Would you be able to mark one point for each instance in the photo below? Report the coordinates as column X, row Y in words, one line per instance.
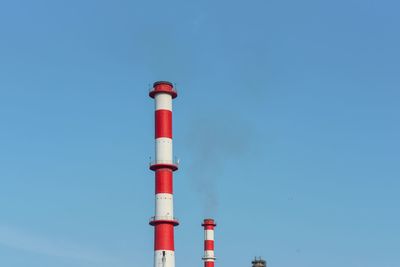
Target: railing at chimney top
column 175, row 161
column 151, row 88
column 162, row 218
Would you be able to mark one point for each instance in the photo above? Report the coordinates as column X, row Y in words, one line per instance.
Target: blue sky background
column 286, row 124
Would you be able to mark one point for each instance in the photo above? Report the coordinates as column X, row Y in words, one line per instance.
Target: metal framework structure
column 258, row 262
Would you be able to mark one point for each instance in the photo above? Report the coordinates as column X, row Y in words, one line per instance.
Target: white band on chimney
column 164, row 258
column 209, row 235
column 209, row 254
column 164, row 150
column 163, row 101
column 164, row 206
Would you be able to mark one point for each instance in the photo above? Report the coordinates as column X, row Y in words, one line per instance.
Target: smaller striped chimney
column 209, row 257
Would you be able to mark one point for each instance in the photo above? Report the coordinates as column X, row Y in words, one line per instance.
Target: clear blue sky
column 286, row 124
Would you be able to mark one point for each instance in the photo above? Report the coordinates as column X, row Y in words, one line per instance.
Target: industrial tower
column 163, row 166
column 209, row 257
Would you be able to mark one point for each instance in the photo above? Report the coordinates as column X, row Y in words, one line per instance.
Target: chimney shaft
column 209, row 257
column 163, row 166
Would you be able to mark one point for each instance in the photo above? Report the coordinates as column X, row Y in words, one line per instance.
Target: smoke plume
column 213, row 143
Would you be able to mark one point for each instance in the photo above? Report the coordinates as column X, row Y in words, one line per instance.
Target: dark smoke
column 214, row 142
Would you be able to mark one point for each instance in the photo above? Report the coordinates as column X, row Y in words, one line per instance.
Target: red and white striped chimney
column 163, row 166
column 209, row 257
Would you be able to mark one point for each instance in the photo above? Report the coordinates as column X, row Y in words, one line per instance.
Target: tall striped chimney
column 209, row 257
column 163, row 166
